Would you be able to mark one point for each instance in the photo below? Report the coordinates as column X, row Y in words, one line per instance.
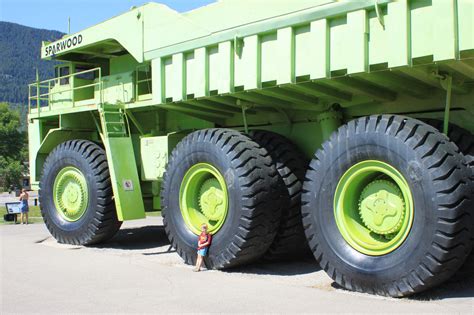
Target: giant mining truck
column 337, row 128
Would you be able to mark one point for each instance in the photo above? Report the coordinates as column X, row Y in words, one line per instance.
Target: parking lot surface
column 135, row 272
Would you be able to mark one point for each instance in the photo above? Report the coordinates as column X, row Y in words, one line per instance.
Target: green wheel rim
column 70, row 193
column 203, row 198
column 373, row 207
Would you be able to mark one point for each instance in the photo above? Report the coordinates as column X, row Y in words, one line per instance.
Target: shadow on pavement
column 461, row 285
column 154, row 237
column 279, row 268
column 140, row 238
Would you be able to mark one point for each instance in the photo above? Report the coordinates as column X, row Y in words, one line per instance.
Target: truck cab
column 77, row 83
column 74, row 83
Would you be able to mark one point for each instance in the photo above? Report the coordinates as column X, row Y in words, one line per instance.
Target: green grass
column 34, row 215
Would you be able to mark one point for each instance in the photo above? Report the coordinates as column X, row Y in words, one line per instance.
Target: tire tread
column 452, row 242
column 105, row 223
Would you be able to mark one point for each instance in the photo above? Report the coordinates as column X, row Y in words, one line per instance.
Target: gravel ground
column 136, row 272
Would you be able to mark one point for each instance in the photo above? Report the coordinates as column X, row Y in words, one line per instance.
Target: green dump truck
column 337, row 128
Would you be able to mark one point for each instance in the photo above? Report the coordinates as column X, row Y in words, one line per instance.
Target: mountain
column 19, row 57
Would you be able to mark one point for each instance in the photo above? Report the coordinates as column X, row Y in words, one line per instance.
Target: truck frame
column 337, row 128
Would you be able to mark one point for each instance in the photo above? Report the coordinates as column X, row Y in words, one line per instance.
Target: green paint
column 203, row 198
column 122, row 164
column 449, row 84
column 300, row 69
column 373, row 207
column 154, row 152
column 70, row 193
column 381, row 207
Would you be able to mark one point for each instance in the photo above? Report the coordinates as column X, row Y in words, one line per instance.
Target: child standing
column 24, row 206
column 204, row 242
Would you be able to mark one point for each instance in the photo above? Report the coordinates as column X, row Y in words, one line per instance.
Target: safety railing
column 36, row 90
column 142, row 81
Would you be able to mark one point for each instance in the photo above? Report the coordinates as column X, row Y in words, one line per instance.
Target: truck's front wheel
column 387, row 206
column 76, row 194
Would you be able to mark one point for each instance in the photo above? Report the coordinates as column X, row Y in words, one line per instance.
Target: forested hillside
column 19, row 57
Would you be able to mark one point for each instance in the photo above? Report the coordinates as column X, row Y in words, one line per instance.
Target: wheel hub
column 70, row 193
column 373, row 207
column 212, row 199
column 381, row 207
column 203, row 198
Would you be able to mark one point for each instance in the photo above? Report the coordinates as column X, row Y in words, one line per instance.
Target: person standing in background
column 24, row 206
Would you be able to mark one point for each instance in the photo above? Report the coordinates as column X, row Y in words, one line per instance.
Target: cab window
column 85, row 76
column 63, row 71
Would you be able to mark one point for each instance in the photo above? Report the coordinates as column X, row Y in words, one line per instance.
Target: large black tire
column 460, row 136
column 438, row 241
column 465, row 142
column 99, row 222
column 290, row 241
column 254, row 190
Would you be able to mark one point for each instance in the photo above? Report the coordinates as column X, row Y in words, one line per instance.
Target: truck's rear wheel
column 76, row 194
column 290, row 241
column 461, row 137
column 387, row 206
column 465, row 142
column 222, row 178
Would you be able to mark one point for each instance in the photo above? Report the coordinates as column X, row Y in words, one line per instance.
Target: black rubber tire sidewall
column 290, row 242
column 438, row 241
column 352, row 261
column 185, row 237
column 99, row 222
column 254, row 190
column 60, row 161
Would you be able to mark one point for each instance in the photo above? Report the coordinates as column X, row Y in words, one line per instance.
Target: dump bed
column 349, row 52
column 334, row 39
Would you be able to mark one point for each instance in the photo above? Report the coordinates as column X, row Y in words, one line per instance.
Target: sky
column 53, row 14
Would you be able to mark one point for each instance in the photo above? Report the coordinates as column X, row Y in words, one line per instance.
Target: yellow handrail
column 38, row 97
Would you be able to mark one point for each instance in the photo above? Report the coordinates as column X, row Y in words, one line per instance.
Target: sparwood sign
column 61, row 45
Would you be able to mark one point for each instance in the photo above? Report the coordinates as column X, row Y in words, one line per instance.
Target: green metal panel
column 318, row 41
column 309, row 135
column 34, row 143
column 398, row 26
column 465, row 11
column 118, row 88
column 122, row 164
column 225, row 68
column 126, row 29
column 124, row 177
column 247, row 65
column 42, row 143
column 445, row 29
column 154, row 152
column 357, row 24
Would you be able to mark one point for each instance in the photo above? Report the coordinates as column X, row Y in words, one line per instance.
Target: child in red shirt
column 204, row 241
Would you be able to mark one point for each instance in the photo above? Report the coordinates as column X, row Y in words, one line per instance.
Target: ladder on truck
column 122, row 162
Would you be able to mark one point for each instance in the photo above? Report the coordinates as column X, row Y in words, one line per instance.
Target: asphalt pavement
column 136, row 272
